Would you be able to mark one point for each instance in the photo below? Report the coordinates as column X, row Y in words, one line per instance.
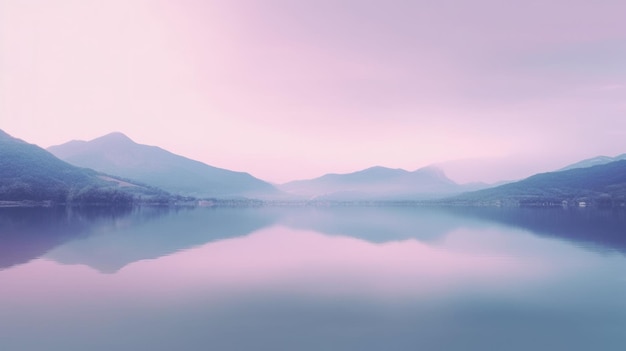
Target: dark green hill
column 603, row 185
column 30, row 173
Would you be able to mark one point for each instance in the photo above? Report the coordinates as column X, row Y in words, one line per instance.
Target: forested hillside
column 30, row 173
column 603, row 185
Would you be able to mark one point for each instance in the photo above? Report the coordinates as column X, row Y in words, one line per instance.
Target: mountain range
column 117, row 154
column 115, row 169
column 379, row 183
column 30, row 173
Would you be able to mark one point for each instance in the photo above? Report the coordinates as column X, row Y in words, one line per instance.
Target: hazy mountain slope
column 376, row 183
column 117, row 154
column 30, row 173
column 595, row 161
column 600, row 184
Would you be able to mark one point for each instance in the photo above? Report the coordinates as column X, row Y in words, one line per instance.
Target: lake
column 338, row 278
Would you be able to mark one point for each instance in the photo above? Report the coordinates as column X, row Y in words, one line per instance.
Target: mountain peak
column 115, row 137
column 434, row 170
column 380, row 170
column 117, row 154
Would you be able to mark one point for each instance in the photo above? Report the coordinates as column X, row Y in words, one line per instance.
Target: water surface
column 312, row 279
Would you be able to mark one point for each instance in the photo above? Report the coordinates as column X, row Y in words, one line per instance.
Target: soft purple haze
column 295, row 89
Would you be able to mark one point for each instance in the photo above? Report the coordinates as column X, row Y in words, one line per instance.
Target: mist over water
column 343, row 278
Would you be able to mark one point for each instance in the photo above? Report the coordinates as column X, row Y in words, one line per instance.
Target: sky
column 284, row 89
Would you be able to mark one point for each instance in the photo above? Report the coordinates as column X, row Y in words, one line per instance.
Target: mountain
column 603, row 185
column 378, row 183
column 30, row 173
column 595, row 161
column 117, row 154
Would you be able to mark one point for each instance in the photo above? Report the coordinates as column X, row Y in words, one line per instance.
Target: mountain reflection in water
column 312, row 278
column 108, row 239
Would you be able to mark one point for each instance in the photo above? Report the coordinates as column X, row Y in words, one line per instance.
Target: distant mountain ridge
column 604, row 184
column 594, row 161
column 378, row 183
column 116, row 153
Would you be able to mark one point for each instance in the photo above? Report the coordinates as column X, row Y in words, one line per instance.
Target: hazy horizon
column 293, row 90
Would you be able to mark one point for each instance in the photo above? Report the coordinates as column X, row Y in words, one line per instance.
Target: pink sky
column 295, row 89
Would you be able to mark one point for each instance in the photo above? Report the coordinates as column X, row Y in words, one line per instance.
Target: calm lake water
column 312, row 279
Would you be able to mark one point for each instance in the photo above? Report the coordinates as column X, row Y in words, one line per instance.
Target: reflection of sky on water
column 306, row 279
column 283, row 259
column 306, row 262
column 110, row 245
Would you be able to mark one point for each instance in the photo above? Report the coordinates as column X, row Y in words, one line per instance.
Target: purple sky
column 294, row 89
